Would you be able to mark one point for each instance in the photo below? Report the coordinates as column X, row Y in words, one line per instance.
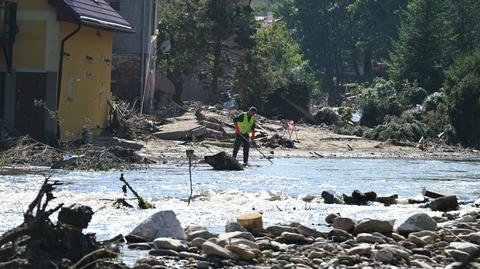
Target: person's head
column 252, row 111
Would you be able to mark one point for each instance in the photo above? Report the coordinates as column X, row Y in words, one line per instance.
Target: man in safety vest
column 244, row 124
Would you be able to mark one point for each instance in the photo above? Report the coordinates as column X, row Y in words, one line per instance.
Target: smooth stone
column 373, row 225
column 243, row 252
column 228, row 236
column 345, row 224
column 190, row 255
column 398, row 237
column 264, row 244
column 306, row 231
column 369, row 238
column 416, row 240
column 420, row 264
column 422, row 258
column 234, row 227
column 169, row 243
column 330, row 197
column 458, row 255
column 279, row 246
column 205, row 234
column 198, row 242
column 211, row 249
column 362, row 249
column 474, row 237
column 317, row 254
column 348, row 260
column 338, row 235
column 415, row 223
column 277, row 230
column 245, row 242
column 160, row 224
column 293, row 238
column 163, row 252
column 422, row 251
column 297, row 260
column 448, row 203
column 140, row 246
column 469, row 248
column 329, row 219
column 383, row 255
column 203, row 265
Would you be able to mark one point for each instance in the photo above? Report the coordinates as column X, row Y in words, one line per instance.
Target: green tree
column 462, row 87
column 180, row 26
column 417, row 54
column 276, row 78
column 227, row 28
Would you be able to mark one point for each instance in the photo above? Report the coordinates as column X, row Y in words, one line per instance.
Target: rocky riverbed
column 414, row 241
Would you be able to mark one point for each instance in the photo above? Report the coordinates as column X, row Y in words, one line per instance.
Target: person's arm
column 236, row 120
column 252, row 137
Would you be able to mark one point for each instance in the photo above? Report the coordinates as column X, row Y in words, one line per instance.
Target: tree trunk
column 367, row 64
column 216, row 72
column 177, row 82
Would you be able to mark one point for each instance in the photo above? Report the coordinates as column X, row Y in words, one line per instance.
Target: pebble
column 369, row 238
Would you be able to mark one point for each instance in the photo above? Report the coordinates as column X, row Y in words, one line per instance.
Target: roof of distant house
column 96, row 13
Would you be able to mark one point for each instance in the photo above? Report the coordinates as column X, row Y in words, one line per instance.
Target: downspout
column 60, row 70
column 142, row 74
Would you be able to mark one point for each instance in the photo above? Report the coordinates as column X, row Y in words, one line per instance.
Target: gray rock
column 383, row 255
column 205, row 234
column 369, row 238
column 211, row 249
column 345, row 224
column 306, row 231
column 339, row 235
column 163, row 252
column 293, row 238
column 245, row 242
column 362, row 250
column 190, row 255
column 277, row 230
column 329, row 219
column 416, row 240
column 198, row 242
column 445, row 204
column 160, row 224
column 203, row 265
column 140, row 246
column 329, row 197
column 373, row 225
column 234, row 227
column 415, row 223
column 225, row 238
column 458, row 255
column 243, row 252
column 317, row 254
column 420, row 264
column 469, row 248
column 474, row 237
column 169, row 243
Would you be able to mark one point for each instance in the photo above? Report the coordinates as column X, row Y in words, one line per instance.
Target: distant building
column 134, row 55
column 56, row 69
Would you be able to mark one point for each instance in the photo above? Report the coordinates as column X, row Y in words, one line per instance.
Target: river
column 276, row 190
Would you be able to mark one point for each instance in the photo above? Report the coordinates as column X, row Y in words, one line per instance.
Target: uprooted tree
column 38, row 243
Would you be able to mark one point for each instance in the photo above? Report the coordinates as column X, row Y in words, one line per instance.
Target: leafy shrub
column 327, row 115
column 402, row 131
column 462, row 88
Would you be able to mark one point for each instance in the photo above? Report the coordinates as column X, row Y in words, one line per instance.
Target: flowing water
column 276, row 190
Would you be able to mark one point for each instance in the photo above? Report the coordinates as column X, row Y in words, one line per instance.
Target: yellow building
column 56, row 66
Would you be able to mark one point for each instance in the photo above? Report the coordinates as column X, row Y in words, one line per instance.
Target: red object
column 237, row 128
column 378, row 67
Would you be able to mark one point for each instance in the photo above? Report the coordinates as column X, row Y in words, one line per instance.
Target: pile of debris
column 91, row 157
column 126, row 121
column 26, row 150
column 38, row 243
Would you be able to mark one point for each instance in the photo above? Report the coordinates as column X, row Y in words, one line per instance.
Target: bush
column 462, row 88
column 379, row 100
column 327, row 115
column 402, row 131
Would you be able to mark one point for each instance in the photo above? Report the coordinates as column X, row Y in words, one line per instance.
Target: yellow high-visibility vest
column 245, row 125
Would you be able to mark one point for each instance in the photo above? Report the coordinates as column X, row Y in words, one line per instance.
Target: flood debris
column 142, row 204
column 26, row 150
column 39, row 243
column 222, row 161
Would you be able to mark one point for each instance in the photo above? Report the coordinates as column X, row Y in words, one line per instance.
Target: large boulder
column 221, row 161
column 160, row 224
column 415, row 223
column 329, row 197
column 76, row 215
column 445, row 204
column 345, row 224
column 372, row 226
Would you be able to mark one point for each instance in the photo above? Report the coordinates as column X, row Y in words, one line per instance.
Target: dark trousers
column 239, row 140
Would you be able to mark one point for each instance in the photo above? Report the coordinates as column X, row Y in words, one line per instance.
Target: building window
column 115, row 4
